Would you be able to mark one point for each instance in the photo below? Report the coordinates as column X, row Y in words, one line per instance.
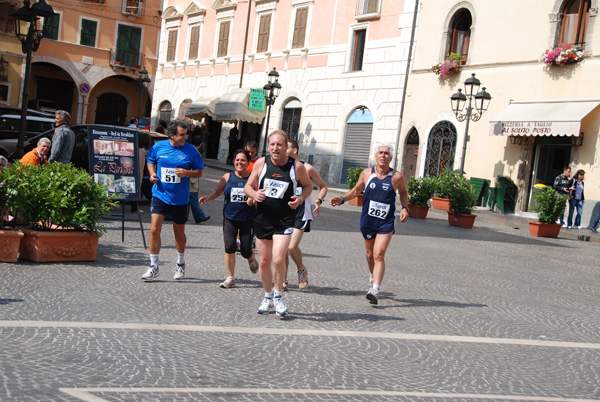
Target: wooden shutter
column 171, row 45
column 358, row 50
column 263, row 34
column 194, row 42
column 7, row 23
column 223, row 39
column 88, row 33
column 300, row 28
column 574, row 22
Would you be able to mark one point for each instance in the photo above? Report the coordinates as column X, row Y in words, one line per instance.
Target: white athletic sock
column 154, row 260
column 277, row 293
column 376, row 288
column 180, row 259
column 269, row 295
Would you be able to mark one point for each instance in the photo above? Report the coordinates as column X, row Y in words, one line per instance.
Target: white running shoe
column 151, row 273
column 229, row 282
column 372, row 296
column 280, row 308
column 253, row 265
column 266, row 305
column 179, row 271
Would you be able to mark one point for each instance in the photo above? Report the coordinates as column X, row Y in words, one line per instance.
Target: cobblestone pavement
column 467, row 315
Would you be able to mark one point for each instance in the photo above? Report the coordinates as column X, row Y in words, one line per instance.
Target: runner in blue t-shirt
column 378, row 217
column 171, row 164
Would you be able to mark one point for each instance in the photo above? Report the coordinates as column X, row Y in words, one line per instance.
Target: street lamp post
column 143, row 81
column 272, row 88
column 482, row 100
column 30, row 38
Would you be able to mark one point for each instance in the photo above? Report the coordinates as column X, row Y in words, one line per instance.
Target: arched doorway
column 357, row 145
column 165, row 110
column 183, row 108
column 441, row 148
column 111, row 109
column 411, row 152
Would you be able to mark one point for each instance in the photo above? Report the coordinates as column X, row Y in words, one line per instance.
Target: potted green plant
column 462, row 201
column 63, row 206
column 420, row 191
column 353, row 176
column 549, row 207
column 10, row 238
column 445, row 185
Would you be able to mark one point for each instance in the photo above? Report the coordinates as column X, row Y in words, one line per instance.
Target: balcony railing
column 368, row 8
column 126, row 58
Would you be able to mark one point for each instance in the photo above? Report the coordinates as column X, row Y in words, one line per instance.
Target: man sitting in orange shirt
column 38, row 155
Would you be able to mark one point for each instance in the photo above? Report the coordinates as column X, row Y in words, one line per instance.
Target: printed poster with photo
column 114, row 160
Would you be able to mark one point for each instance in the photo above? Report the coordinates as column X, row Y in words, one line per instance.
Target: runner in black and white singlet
column 303, row 218
column 238, row 216
column 271, row 185
column 379, row 212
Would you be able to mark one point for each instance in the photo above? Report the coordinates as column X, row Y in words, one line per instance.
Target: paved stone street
column 467, row 315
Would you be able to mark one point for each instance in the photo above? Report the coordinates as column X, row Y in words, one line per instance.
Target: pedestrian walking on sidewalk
column 380, row 184
column 171, row 164
column 238, row 216
column 271, row 186
column 576, row 199
column 561, row 187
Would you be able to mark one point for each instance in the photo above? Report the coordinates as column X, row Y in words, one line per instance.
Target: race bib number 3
column 378, row 210
column 167, row 175
column 238, row 195
column 275, row 188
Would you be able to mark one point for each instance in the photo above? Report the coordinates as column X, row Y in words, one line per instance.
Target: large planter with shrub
column 463, row 199
column 57, row 201
column 549, row 207
column 441, row 203
column 353, row 176
column 420, row 191
column 10, row 239
column 58, row 245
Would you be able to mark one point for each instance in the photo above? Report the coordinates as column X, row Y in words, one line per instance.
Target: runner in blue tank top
column 380, row 184
column 271, row 185
column 238, row 216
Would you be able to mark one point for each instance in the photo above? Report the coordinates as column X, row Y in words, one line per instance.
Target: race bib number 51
column 167, row 175
column 378, row 210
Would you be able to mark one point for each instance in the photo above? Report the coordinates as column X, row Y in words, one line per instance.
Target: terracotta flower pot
column 417, row 211
column 9, row 245
column 538, row 229
column 441, row 203
column 462, row 221
column 58, row 245
column 358, row 201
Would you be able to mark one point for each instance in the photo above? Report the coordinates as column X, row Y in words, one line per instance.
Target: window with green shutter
column 88, row 32
column 51, row 27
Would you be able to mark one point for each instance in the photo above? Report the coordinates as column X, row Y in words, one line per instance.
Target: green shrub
column 354, row 175
column 57, row 195
column 549, row 205
column 464, row 197
column 446, row 183
column 420, row 190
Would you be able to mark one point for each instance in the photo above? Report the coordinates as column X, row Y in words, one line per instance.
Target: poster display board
column 114, row 160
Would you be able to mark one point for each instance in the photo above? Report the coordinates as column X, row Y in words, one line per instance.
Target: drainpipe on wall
column 245, row 42
column 410, row 50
